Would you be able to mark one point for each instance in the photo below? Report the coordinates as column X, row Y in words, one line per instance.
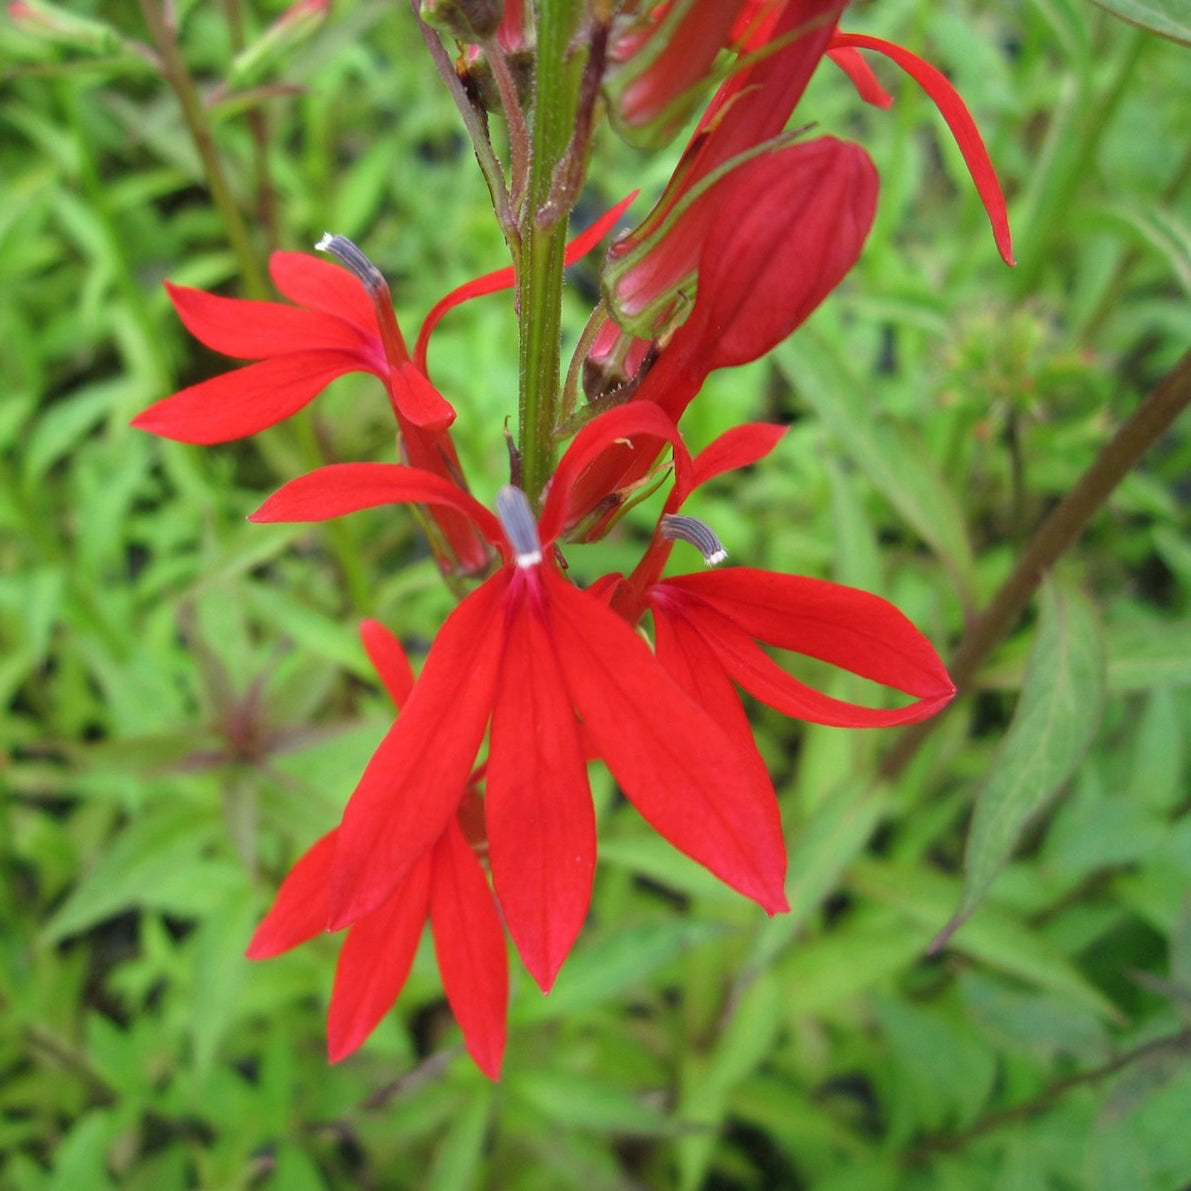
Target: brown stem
column 1053, row 538
column 164, row 33
column 1179, row 1043
column 258, row 127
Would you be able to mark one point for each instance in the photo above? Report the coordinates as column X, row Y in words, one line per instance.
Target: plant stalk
column 543, row 244
column 178, row 76
column 1053, row 538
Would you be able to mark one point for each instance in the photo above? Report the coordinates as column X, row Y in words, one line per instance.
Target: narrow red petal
column 248, row 400
column 416, row 778
column 673, row 761
column 852, row 63
column 299, row 911
column 259, row 330
column 388, row 660
column 470, row 946
column 374, row 962
column 500, row 279
column 759, row 674
column 417, row 400
column 959, row 120
column 620, row 426
column 840, row 625
column 342, row 488
column 321, row 285
column 695, row 667
column 541, row 827
column 739, row 447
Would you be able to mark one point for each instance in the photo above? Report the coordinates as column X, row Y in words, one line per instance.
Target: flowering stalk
column 543, row 240
column 478, row 796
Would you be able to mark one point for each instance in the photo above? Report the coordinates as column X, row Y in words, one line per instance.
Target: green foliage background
column 186, row 707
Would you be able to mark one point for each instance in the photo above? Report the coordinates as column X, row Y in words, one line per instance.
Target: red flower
column 338, row 326
column 707, row 625
column 343, row 322
column 445, row 884
column 533, row 655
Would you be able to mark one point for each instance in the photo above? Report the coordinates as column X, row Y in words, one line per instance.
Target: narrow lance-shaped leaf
column 1167, row 18
column 1053, row 725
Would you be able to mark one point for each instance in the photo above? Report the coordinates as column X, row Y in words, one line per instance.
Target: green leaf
column 461, row 1151
column 587, row 1104
column 604, row 967
column 1053, row 725
column 1167, row 18
column 164, row 842
column 834, row 835
column 892, row 460
column 995, row 937
column 1149, row 653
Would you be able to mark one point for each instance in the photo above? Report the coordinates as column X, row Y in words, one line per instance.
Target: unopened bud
column 52, row 22
column 285, row 34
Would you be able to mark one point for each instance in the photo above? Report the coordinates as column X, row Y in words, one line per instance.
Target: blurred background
column 184, row 705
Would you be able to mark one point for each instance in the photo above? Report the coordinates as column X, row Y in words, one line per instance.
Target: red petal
column 470, row 946
column 735, row 448
column 259, row 330
column 248, row 400
column 852, row 63
column 323, row 286
column 673, row 761
column 959, row 120
column 299, row 911
column 418, row 400
column 417, row 776
column 840, row 625
column 491, row 283
column 388, row 660
column 637, row 419
column 759, row 674
column 695, row 667
column 374, row 962
column 342, row 488
column 541, row 827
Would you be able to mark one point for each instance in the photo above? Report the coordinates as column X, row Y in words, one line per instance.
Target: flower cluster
column 475, row 809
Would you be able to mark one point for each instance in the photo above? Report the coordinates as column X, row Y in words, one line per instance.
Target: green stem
column 1177, row 1045
column 177, row 74
column 1053, row 538
column 543, row 243
column 258, row 126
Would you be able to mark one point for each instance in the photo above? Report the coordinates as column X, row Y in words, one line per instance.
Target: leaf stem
column 1171, row 1044
column 1053, row 538
column 177, row 74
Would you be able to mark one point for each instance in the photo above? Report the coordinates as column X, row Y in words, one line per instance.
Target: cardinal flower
column 446, row 883
column 558, row 677
column 707, row 625
column 342, row 322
